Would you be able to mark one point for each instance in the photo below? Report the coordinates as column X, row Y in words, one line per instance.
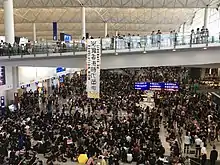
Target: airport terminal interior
column 109, row 82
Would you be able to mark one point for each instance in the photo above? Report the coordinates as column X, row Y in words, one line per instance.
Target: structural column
column 34, row 32
column 116, row 33
column 106, row 29
column 206, row 17
column 183, row 33
column 83, row 15
column 15, row 77
column 202, row 75
column 15, row 83
column 49, row 86
column 9, row 21
column 218, row 72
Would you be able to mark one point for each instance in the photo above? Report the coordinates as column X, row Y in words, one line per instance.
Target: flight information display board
column 156, row 86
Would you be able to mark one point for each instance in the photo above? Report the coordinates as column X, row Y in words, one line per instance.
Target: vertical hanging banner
column 93, row 67
column 3, row 105
column 55, row 31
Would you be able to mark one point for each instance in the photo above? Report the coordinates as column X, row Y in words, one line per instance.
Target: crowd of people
column 128, row 41
column 158, row 39
column 112, row 129
column 199, row 36
column 8, row 49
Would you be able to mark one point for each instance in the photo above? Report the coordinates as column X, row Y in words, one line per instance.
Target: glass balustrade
column 115, row 45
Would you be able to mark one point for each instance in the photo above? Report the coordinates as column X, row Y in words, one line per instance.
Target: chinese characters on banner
column 93, row 67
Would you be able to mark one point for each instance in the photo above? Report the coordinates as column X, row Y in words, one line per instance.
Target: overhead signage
column 60, row 69
column 55, row 31
column 67, row 37
column 2, row 75
column 156, row 86
column 3, row 105
column 2, row 101
column 93, row 67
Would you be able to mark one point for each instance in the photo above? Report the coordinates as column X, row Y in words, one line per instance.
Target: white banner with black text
column 93, row 67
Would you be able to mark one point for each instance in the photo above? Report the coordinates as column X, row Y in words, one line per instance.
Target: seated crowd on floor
column 112, row 129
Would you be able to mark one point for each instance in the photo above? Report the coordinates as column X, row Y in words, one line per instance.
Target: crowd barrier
column 196, row 161
column 117, row 45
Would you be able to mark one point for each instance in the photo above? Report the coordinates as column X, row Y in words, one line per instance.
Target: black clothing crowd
column 68, row 124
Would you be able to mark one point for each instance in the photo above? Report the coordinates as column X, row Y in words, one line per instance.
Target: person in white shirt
column 210, row 118
column 203, row 155
column 187, row 140
column 198, row 143
column 128, row 138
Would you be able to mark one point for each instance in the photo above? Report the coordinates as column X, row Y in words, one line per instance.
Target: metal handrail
column 116, row 45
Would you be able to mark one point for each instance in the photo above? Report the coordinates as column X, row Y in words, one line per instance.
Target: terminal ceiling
column 125, row 16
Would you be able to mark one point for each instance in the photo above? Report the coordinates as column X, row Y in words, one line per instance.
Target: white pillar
column 83, row 16
column 9, row 21
column 106, row 29
column 183, row 32
column 116, row 33
column 34, row 32
column 15, row 83
column 49, row 86
column 206, row 17
column 218, row 72
column 202, row 76
column 210, row 71
column 15, row 77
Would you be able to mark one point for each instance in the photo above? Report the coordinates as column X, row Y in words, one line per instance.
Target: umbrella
column 82, row 159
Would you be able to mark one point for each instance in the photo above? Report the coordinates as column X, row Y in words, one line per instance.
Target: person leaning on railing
column 192, row 37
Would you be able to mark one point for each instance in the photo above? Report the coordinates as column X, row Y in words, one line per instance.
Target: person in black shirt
column 213, row 155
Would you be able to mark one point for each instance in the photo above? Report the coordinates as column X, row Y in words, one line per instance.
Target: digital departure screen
column 67, row 37
column 156, row 86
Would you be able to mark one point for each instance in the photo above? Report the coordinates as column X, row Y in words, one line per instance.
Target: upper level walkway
column 182, row 57
column 136, row 54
